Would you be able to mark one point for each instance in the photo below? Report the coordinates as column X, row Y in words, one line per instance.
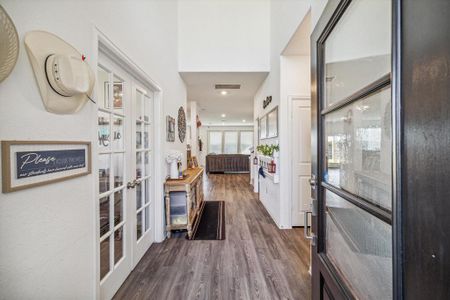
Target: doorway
column 125, row 173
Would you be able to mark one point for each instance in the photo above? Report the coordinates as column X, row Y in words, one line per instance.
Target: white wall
column 47, row 234
column 224, row 35
column 286, row 16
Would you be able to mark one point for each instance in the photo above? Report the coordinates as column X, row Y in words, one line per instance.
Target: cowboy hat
column 65, row 80
column 9, row 45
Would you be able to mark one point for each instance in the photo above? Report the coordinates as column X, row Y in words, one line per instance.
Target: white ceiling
column 237, row 105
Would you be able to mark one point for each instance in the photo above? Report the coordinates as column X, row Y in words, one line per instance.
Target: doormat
column 210, row 224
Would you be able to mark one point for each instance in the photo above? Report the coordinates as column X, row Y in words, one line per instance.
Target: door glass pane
column 118, row 244
column 104, row 258
column 103, row 85
column 147, row 108
column 358, row 148
column 103, row 172
column 118, row 169
column 147, row 191
column 147, row 218
column 118, row 137
column 118, row 207
column 139, row 195
column 231, row 142
column 360, row 247
column 138, row 165
column 103, row 131
column 246, row 142
column 138, row 134
column 118, row 95
column 356, row 55
column 139, row 225
column 147, row 164
column 139, row 106
column 104, row 215
column 146, row 136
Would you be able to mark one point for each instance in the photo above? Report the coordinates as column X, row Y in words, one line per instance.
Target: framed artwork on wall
column 170, row 129
column 27, row 164
column 272, row 123
column 263, row 127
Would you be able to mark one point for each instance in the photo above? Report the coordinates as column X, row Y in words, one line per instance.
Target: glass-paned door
column 125, row 186
column 113, row 148
column 143, row 144
column 355, row 153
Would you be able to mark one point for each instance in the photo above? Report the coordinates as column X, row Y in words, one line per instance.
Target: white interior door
column 301, row 155
column 124, row 174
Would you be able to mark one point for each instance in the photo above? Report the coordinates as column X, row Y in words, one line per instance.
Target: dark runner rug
column 210, row 223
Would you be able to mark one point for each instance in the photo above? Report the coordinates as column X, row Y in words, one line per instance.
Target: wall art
column 181, row 124
column 170, row 129
column 27, row 164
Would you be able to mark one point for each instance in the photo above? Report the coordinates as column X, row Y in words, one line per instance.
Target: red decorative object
column 271, row 167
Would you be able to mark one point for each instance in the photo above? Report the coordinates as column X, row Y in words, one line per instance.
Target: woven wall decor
column 181, row 124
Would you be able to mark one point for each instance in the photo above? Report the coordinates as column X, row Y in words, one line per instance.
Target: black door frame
column 323, row 271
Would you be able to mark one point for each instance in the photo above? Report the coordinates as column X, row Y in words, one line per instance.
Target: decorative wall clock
column 181, row 124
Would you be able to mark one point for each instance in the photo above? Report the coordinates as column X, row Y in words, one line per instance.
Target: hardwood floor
column 255, row 261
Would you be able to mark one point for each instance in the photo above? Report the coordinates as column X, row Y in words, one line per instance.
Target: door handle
column 305, row 226
column 308, row 233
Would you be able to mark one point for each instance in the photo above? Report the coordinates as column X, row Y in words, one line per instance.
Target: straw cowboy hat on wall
column 9, row 45
column 65, row 80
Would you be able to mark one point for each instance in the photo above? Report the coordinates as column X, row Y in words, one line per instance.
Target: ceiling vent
column 228, row 86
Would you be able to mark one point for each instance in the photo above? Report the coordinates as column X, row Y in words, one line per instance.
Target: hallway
column 255, row 261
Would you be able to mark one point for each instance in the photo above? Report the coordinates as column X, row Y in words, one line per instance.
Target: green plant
column 267, row 150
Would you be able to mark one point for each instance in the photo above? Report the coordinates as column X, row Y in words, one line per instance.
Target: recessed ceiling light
column 224, row 92
column 223, row 115
column 223, row 123
column 244, row 121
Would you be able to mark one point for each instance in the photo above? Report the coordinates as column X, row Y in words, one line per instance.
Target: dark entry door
column 352, row 183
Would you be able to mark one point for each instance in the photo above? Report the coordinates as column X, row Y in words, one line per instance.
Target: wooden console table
column 192, row 186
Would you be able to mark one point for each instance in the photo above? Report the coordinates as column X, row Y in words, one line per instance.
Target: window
column 246, row 142
column 215, row 142
column 230, row 145
column 230, row 142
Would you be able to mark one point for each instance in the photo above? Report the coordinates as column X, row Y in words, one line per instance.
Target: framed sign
column 27, row 164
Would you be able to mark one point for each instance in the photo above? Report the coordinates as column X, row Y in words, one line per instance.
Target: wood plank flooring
column 256, row 261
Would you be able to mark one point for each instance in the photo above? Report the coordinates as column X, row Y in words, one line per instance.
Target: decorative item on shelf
column 9, row 41
column 65, row 80
column 255, row 160
column 27, row 164
column 199, row 123
column 271, row 167
column 181, row 124
column 172, row 158
column 170, row 129
column 268, row 150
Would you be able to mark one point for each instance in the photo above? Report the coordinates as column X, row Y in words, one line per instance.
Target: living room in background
column 230, row 142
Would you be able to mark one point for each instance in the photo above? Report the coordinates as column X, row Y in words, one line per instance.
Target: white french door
column 124, row 174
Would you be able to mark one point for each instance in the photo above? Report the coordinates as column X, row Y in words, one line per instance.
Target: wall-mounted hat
column 65, row 80
column 9, row 45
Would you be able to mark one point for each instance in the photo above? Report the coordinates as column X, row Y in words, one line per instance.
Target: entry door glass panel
column 360, row 247
column 111, row 170
column 358, row 49
column 358, row 148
